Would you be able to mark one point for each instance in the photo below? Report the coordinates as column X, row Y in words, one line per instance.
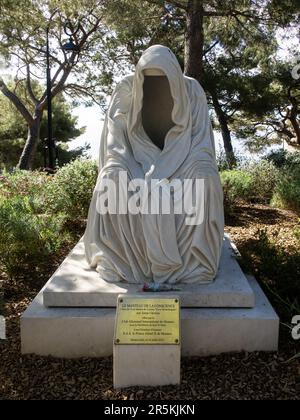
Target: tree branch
column 89, row 33
column 178, row 4
column 16, row 102
column 82, row 91
column 211, row 47
column 234, row 13
column 60, row 85
column 68, row 65
column 173, row 2
column 33, row 48
column 29, row 86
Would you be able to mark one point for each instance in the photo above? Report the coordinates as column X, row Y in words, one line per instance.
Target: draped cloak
column 136, row 248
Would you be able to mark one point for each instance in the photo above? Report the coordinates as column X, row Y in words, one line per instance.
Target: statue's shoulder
column 194, row 87
column 126, row 83
column 121, row 98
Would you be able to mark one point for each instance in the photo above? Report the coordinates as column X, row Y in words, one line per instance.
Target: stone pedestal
column 2, row 328
column 75, row 285
column 149, row 328
column 246, row 323
column 142, row 365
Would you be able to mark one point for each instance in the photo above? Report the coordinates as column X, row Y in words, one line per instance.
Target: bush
column 26, row 237
column 254, row 182
column 35, row 210
column 276, row 267
column 283, row 158
column 236, row 186
column 71, row 189
column 224, row 163
column 238, row 183
column 297, row 232
column 287, row 191
column 279, row 272
column 2, row 306
column 23, row 183
column 264, row 177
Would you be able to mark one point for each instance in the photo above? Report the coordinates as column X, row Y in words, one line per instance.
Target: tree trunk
column 194, row 40
column 30, row 147
column 296, row 127
column 226, row 134
column 294, row 121
column 294, row 114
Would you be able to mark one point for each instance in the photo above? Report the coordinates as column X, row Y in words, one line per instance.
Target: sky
column 93, row 119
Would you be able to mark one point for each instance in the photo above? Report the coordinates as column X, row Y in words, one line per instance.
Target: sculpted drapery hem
column 161, row 247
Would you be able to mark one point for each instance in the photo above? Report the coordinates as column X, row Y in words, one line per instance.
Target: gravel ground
column 232, row 376
column 235, row 376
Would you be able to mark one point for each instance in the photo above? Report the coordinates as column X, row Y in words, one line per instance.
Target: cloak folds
column 164, row 248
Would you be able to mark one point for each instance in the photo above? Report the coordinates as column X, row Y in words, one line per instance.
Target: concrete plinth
column 146, row 365
column 88, row 332
column 75, row 285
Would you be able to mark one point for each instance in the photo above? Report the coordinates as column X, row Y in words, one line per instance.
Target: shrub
column 238, row 183
column 26, row 237
column 283, row 270
column 236, row 186
column 277, row 268
column 2, row 309
column 223, row 161
column 71, row 189
column 264, row 177
column 283, row 158
column 297, row 232
column 23, row 183
column 278, row 158
column 253, row 182
column 287, row 191
column 35, row 209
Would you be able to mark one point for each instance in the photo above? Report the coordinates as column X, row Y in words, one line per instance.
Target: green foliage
column 287, row 191
column 22, row 183
column 254, row 182
column 223, row 161
column 274, row 180
column 297, row 232
column 36, row 210
column 13, row 132
column 23, row 28
column 264, row 177
column 277, row 269
column 237, row 185
column 283, row 158
column 26, row 237
column 71, row 189
column 272, row 114
column 2, row 306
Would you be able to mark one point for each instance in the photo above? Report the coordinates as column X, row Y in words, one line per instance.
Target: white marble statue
column 157, row 130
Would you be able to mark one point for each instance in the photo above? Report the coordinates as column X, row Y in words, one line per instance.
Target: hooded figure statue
column 157, row 130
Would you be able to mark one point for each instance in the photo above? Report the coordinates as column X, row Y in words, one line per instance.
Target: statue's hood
column 162, row 58
column 178, row 140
